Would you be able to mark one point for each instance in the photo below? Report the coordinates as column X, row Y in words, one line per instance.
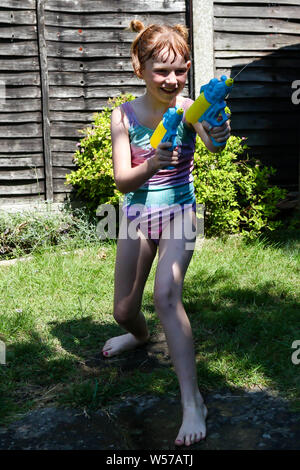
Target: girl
column 161, row 57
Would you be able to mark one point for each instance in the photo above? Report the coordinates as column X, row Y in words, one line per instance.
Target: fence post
column 40, row 7
column 203, row 32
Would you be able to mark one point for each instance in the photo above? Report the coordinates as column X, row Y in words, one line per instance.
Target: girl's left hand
column 219, row 133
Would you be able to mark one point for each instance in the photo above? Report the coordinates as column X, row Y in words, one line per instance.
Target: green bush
column 234, row 188
column 93, row 178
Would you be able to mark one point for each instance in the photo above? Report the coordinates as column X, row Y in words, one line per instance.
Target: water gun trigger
column 167, row 129
column 222, row 118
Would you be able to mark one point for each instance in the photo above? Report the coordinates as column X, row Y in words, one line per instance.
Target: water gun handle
column 170, row 136
column 167, row 129
column 216, row 122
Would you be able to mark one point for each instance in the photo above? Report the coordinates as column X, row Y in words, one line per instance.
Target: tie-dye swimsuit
column 168, row 191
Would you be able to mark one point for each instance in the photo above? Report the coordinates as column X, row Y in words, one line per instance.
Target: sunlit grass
column 56, row 313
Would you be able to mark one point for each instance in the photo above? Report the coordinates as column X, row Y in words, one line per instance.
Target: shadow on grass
column 252, row 328
column 241, row 336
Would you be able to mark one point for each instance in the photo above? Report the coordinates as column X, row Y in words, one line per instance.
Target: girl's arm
column 220, row 134
column 127, row 178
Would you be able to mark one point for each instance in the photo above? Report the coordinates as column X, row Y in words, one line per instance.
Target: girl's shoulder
column 119, row 117
column 127, row 110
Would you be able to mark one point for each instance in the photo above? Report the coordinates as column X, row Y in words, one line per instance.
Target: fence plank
column 108, row 19
column 270, row 42
column 16, row 79
column 102, row 6
column 279, row 2
column 18, row 32
column 268, row 25
column 27, row 64
column 17, row 17
column 17, row 189
column 21, row 161
column 16, row 175
column 20, row 117
column 17, row 105
column 87, row 35
column 92, row 79
column 25, row 4
column 286, row 12
column 21, row 145
column 28, row 48
column 21, row 130
column 63, row 159
column 100, row 64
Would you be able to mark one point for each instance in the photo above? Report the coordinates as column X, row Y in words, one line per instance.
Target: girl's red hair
column 151, row 40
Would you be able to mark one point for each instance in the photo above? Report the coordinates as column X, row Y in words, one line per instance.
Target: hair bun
column 136, row 26
column 182, row 30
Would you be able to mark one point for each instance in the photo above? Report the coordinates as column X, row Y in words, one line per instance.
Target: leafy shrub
column 93, row 178
column 233, row 187
column 235, row 191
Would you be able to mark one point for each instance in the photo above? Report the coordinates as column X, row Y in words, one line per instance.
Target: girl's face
column 165, row 79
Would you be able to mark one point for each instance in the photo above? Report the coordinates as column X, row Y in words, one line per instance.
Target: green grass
column 56, row 312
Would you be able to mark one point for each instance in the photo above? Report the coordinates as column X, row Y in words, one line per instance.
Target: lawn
column 56, row 313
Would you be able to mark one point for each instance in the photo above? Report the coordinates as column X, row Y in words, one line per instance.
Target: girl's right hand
column 164, row 157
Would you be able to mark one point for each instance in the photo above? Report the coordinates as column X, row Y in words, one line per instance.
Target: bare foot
column 193, row 428
column 118, row 344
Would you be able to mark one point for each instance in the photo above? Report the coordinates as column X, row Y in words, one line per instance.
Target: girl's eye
column 166, row 72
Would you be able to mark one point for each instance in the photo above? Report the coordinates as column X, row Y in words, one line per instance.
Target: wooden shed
column 62, row 59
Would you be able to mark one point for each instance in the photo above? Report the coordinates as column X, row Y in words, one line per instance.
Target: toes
column 107, row 352
column 179, row 441
column 189, row 439
column 107, row 344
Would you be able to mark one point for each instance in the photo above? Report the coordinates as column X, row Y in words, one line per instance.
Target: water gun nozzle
column 229, row 81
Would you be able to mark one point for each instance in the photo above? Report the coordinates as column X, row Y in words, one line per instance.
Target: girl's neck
column 155, row 106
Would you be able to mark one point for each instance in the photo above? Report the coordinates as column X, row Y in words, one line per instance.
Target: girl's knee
column 166, row 296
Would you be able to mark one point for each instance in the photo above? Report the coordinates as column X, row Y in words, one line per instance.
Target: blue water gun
column 167, row 129
column 210, row 104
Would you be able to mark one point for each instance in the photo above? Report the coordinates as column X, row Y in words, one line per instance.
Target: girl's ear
column 188, row 64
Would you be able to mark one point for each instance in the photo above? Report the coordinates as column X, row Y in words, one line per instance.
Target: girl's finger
column 164, row 145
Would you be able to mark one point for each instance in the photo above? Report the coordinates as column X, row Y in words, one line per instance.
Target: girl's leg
column 174, row 258
column 133, row 263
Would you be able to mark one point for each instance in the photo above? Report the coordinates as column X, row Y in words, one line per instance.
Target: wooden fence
column 60, row 60
column 267, row 37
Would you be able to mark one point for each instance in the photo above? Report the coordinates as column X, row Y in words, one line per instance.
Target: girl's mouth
column 169, row 92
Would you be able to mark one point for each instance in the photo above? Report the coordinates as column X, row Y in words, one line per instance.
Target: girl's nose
column 171, row 78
